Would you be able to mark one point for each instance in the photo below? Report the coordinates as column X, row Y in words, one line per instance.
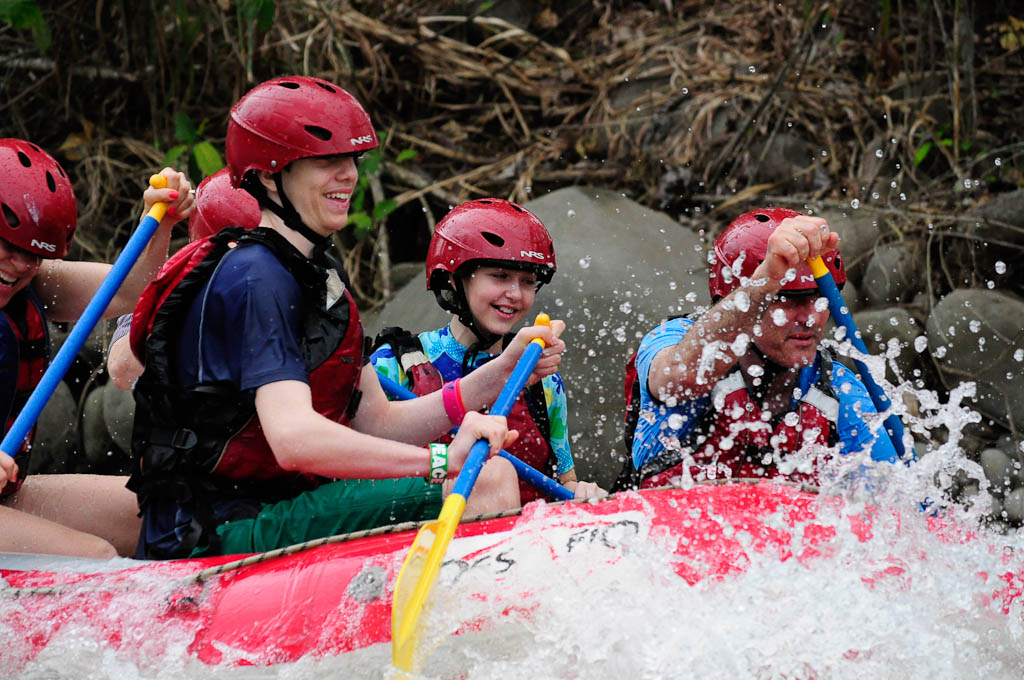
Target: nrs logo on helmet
column 49, row 247
column 532, row 253
column 365, row 139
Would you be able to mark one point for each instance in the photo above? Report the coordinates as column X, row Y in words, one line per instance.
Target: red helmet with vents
column 293, row 117
column 489, row 231
column 743, row 245
column 38, row 212
column 220, row 205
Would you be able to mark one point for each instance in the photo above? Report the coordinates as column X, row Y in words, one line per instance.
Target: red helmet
column 745, row 242
column 219, row 205
column 38, row 212
column 285, row 119
column 489, row 231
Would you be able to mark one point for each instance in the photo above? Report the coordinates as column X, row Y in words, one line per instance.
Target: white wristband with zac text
column 438, row 463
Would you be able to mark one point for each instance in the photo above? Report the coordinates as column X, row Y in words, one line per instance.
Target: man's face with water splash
column 791, row 328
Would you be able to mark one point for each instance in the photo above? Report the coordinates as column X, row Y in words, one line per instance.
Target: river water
column 904, row 603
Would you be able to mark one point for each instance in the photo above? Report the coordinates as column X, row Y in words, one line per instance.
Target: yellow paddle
column 423, row 563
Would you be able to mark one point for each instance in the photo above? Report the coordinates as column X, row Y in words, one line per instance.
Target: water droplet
column 998, row 162
column 675, row 421
column 690, row 297
column 779, row 317
column 571, row 213
column 920, row 344
column 939, row 352
column 752, row 69
column 879, row 153
column 974, row 325
column 625, row 308
column 1000, row 267
column 585, row 262
column 855, row 203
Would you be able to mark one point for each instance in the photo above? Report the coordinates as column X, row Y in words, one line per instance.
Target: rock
column 96, row 442
column 892, row 274
column 56, row 433
column 1007, row 208
column 1013, row 507
column 783, row 161
column 859, row 233
column 118, row 414
column 977, row 335
column 622, row 268
column 999, row 470
column 880, row 326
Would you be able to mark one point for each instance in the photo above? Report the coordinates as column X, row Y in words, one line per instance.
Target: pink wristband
column 451, row 395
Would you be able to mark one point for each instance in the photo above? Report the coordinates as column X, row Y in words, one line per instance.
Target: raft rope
column 206, row 574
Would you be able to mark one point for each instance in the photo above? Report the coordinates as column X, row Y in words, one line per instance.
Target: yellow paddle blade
column 417, row 578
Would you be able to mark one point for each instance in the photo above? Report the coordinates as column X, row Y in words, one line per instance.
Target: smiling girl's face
column 499, row 298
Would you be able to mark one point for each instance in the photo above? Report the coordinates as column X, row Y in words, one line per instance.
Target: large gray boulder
column 622, row 268
column 977, row 335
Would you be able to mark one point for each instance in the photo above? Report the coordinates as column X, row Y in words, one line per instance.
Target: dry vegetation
column 911, row 108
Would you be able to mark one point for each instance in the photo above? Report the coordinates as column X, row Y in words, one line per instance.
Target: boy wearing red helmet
column 739, row 390
column 256, row 393
column 84, row 515
column 486, row 262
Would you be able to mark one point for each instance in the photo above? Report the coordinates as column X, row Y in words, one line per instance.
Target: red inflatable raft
column 335, row 598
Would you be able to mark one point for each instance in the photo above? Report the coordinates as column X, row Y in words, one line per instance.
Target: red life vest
column 528, row 414
column 735, row 439
column 23, row 320
column 205, row 442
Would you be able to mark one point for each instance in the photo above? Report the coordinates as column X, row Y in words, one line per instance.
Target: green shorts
column 336, row 508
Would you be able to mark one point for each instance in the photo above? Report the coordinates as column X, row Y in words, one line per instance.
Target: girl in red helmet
column 486, row 261
column 258, row 422
column 87, row 515
column 742, row 389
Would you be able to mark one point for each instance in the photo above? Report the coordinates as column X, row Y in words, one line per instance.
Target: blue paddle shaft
column 528, row 473
column 93, row 311
column 502, row 405
column 828, row 288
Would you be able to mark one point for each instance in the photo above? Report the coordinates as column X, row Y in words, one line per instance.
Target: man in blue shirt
column 743, row 389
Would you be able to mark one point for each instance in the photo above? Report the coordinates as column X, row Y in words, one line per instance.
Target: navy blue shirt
column 244, row 326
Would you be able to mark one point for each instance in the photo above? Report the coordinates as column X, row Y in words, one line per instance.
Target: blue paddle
column 841, row 314
column 93, row 311
column 423, row 563
column 526, row 472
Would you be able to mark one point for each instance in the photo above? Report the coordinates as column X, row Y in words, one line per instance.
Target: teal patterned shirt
column 446, row 354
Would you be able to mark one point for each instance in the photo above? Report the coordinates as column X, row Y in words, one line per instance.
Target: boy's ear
column 267, row 180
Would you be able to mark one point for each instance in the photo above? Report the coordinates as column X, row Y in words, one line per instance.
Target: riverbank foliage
column 907, row 109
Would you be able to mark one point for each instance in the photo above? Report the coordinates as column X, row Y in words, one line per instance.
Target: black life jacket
column 22, row 326
column 203, row 442
column 529, row 414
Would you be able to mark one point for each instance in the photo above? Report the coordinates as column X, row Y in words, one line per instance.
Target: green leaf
column 184, row 128
column 384, row 208
column 406, row 155
column 207, row 158
column 922, row 153
column 265, row 15
column 370, row 162
column 358, row 196
column 171, row 159
column 362, row 222
column 26, row 14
